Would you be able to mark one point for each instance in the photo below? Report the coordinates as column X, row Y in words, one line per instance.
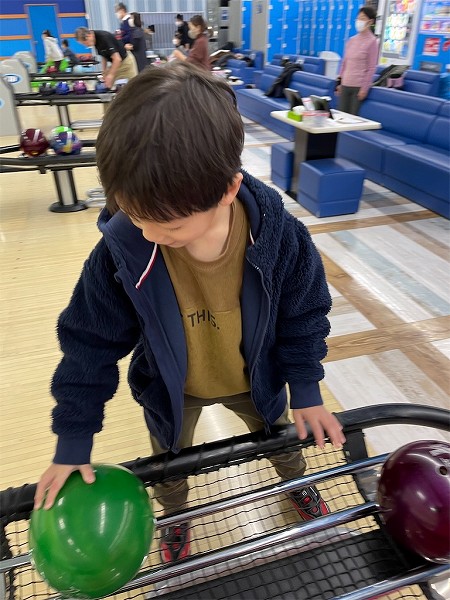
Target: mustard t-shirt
column 208, row 295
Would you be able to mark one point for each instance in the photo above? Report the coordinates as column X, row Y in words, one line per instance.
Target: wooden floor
column 387, row 267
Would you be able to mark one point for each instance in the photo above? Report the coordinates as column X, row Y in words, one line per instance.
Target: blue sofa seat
column 417, row 82
column 254, row 104
column 330, row 186
column 411, row 154
column 311, row 64
column 239, row 68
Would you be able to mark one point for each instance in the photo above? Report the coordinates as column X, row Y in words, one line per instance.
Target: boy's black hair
column 121, row 6
column 170, row 144
column 369, row 11
column 179, row 17
column 47, row 33
column 64, row 43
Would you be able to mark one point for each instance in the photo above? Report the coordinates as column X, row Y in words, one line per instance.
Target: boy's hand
column 321, row 422
column 54, row 478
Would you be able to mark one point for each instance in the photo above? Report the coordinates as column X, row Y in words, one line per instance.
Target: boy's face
column 178, row 232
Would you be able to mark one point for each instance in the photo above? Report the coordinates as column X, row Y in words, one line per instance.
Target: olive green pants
column 173, row 495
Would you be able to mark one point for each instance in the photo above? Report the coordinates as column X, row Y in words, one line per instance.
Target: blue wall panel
column 246, row 24
column 290, row 27
column 69, row 24
column 14, row 27
column 10, row 47
column 12, row 7
column 275, row 33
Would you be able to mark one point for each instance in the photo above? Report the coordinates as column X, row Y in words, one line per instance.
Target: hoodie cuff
column 73, row 451
column 304, row 395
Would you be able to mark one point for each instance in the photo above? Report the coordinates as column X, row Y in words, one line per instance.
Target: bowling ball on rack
column 63, row 140
column 79, row 87
column 414, row 498
column 93, row 540
column 51, row 70
column 100, row 88
column 47, row 88
column 62, row 88
column 33, row 142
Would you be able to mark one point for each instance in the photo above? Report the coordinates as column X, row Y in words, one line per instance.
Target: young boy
column 216, row 289
column 71, row 56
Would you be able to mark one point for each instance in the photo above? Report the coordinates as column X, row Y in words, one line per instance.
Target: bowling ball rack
column 63, row 102
column 247, row 541
column 61, row 168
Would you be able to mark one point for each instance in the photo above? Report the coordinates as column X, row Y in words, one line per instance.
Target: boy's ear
column 232, row 190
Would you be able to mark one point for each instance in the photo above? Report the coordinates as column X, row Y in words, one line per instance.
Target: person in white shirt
column 51, row 48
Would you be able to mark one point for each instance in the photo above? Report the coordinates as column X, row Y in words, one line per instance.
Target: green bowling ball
column 94, row 538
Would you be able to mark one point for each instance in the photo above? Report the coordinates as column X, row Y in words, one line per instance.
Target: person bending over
column 117, row 62
column 203, row 276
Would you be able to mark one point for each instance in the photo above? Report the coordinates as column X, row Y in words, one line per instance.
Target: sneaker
column 309, row 503
column 175, row 542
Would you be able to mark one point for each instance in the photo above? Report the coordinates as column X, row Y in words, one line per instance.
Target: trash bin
column 332, row 60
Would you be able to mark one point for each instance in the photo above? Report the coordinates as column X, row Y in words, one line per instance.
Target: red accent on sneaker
column 175, row 543
column 309, row 503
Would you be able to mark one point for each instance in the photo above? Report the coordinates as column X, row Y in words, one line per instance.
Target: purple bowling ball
column 79, row 87
column 414, row 498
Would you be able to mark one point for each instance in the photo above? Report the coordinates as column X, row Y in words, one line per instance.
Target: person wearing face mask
column 183, row 32
column 359, row 63
column 125, row 28
column 198, row 53
column 137, row 46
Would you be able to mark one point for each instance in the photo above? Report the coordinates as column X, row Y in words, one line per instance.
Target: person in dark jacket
column 201, row 273
column 125, row 26
column 138, row 45
column 69, row 54
column 182, row 28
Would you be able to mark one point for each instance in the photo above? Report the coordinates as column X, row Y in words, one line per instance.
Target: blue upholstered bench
column 282, row 164
column 330, row 186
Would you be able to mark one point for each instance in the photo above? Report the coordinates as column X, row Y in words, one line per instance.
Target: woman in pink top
column 198, row 54
column 359, row 63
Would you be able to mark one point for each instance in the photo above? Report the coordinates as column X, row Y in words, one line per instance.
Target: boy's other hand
column 54, row 478
column 322, row 423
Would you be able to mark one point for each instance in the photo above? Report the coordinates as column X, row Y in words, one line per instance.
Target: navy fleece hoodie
column 124, row 302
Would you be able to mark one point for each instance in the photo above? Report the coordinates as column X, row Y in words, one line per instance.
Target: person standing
column 51, row 48
column 117, row 63
column 138, row 45
column 125, row 26
column 198, row 53
column 183, row 31
column 359, row 63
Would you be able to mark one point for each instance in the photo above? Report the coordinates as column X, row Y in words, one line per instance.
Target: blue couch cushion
column 421, row 166
column 421, row 82
column 268, row 103
column 439, row 134
column 367, row 147
column 282, row 159
column 309, row 83
column 401, row 113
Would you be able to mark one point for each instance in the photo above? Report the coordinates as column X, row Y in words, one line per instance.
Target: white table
column 309, row 145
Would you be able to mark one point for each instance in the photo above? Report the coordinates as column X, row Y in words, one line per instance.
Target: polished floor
column 387, row 267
